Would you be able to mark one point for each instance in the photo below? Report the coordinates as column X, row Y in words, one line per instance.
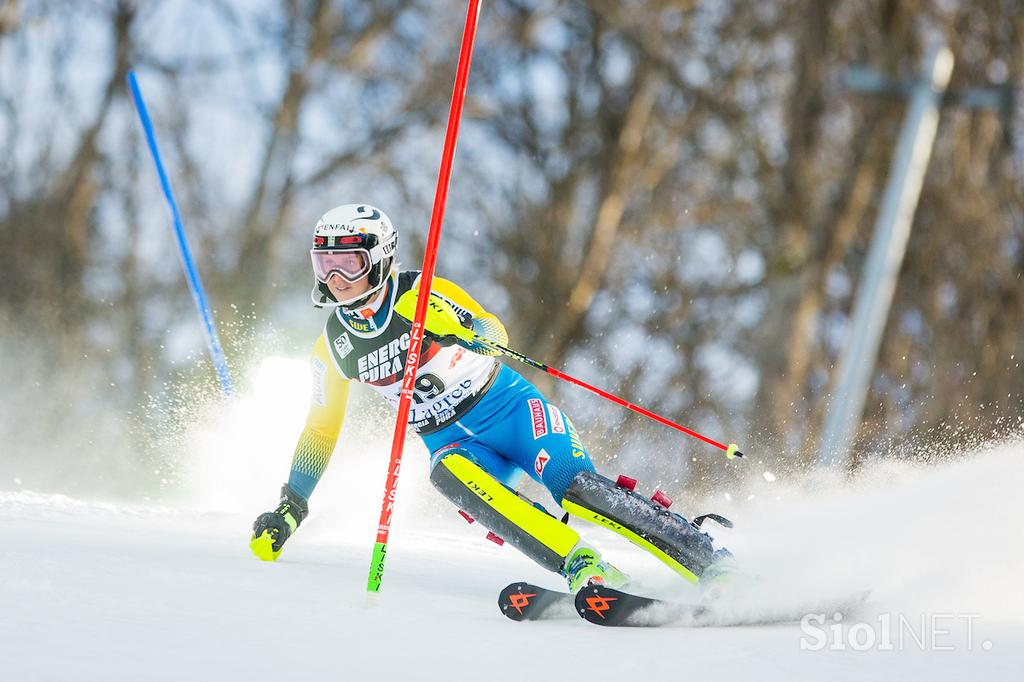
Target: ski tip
column 523, row 601
column 516, row 600
column 600, row 605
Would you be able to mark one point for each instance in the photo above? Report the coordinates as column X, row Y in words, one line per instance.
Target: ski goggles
column 351, row 265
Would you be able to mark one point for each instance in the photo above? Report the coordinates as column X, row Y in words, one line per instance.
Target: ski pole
column 731, row 450
column 380, row 548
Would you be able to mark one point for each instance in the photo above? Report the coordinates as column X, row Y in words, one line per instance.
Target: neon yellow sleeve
column 485, row 324
column 323, row 422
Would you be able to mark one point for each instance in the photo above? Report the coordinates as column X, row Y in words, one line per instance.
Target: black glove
column 272, row 529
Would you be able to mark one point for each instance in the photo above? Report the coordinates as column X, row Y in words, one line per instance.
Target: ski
column 614, row 608
column 523, row 601
column 606, row 606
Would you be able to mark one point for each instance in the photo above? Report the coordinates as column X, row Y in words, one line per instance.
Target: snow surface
column 103, row 591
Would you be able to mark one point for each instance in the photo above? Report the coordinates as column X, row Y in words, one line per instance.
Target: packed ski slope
column 97, row 591
column 100, row 592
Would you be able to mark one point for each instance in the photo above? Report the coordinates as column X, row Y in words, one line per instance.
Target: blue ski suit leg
column 514, row 429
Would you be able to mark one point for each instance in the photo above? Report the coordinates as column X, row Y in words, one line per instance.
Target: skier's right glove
column 272, row 529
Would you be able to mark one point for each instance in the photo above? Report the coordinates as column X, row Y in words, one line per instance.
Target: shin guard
column 525, row 526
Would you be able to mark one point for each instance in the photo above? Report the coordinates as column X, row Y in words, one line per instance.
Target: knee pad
column 525, row 526
column 559, row 472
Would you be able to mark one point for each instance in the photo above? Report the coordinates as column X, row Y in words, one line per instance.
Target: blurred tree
column 670, row 198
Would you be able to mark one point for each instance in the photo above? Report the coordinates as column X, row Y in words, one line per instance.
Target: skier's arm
column 326, row 412
column 485, row 324
column 323, row 423
column 454, row 317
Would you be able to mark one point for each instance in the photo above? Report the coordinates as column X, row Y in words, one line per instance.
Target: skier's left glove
column 272, row 529
column 442, row 322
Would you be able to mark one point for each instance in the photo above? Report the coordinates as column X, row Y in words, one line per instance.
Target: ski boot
column 584, row 566
column 272, row 529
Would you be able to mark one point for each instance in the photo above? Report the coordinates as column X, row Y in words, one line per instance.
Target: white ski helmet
column 353, row 241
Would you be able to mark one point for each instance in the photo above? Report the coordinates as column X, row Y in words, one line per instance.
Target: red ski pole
column 380, row 548
column 731, row 450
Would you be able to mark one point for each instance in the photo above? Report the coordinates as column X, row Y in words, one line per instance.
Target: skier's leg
column 543, row 441
column 677, row 542
column 539, row 439
column 462, row 472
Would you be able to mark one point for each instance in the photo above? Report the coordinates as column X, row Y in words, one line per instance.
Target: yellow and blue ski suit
column 465, row 398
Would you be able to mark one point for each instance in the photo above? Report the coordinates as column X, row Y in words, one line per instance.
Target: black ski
column 605, row 606
column 523, row 601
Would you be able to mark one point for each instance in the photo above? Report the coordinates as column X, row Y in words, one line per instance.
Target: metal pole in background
column 881, row 271
column 195, row 284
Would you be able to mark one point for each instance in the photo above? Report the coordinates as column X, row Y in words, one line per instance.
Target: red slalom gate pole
column 731, row 450
column 412, row 361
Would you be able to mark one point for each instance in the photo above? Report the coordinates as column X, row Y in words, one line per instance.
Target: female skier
column 483, row 423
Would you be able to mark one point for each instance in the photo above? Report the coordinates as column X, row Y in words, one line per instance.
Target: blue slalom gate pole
column 191, row 273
